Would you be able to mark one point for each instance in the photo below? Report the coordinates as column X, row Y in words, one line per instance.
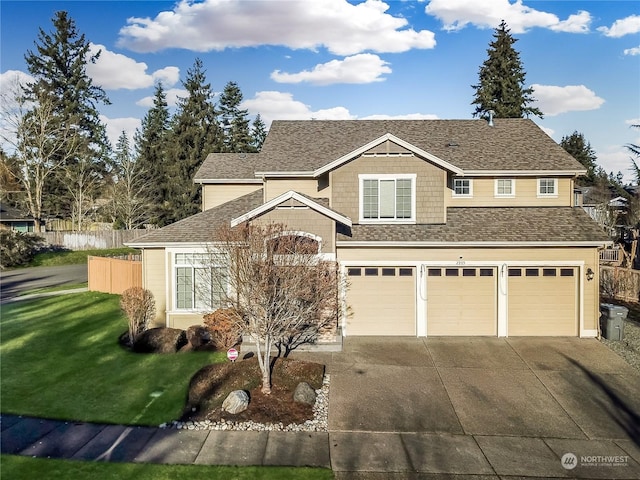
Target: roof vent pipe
column 491, row 114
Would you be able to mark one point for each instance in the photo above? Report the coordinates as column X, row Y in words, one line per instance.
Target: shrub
column 225, row 327
column 140, row 308
column 17, row 248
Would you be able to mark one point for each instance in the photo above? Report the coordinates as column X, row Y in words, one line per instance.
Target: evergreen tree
column 58, row 66
column 152, row 160
column 258, row 133
column 194, row 134
column 501, row 81
column 576, row 145
column 235, row 121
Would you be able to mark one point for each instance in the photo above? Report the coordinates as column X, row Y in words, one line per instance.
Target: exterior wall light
column 590, row 274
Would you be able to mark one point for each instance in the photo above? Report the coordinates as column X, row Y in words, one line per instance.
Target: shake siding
column 430, row 185
column 214, row 195
column 153, row 279
column 314, row 188
column 304, row 220
column 526, row 194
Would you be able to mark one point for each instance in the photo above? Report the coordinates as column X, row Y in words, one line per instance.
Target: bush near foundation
column 225, row 327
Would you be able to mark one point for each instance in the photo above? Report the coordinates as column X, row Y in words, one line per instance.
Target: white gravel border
column 318, row 424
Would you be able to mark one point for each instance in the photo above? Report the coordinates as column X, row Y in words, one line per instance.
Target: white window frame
column 193, row 265
column 378, row 177
column 554, row 194
column 497, row 193
column 462, row 195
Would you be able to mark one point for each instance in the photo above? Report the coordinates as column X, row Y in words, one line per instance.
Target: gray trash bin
column 612, row 319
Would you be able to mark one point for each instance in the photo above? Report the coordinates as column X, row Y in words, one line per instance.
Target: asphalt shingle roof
column 305, row 145
column 491, row 224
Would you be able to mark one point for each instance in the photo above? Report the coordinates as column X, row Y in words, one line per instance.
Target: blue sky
column 338, row 59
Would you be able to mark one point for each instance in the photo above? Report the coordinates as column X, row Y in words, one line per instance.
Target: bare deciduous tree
column 40, row 143
column 279, row 285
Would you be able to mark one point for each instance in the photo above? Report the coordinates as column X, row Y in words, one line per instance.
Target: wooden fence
column 113, row 275
column 92, row 240
column 620, row 283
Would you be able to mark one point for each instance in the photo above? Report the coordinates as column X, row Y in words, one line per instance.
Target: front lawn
column 25, row 468
column 60, row 358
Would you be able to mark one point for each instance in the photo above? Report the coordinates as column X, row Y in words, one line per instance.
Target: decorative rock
column 236, row 402
column 304, row 394
column 199, row 338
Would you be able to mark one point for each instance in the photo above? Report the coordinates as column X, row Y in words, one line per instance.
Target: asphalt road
column 15, row 282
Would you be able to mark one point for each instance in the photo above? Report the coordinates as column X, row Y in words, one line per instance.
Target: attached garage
column 382, row 301
column 461, row 301
column 542, row 301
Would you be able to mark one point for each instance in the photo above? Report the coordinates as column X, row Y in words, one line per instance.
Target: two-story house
column 441, row 227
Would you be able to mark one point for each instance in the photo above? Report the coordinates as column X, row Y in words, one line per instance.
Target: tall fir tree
column 194, row 133
column 150, row 143
column 58, row 66
column 235, row 121
column 258, row 133
column 580, row 149
column 501, row 81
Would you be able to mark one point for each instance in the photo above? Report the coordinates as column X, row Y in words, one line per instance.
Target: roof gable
column 291, row 195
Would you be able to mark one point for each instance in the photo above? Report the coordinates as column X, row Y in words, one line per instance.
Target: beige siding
column 214, row 195
column 381, row 305
column 543, row 305
column 462, row 305
column 315, row 188
column 430, row 184
column 154, row 279
column 184, row 320
column 304, row 220
column 526, row 194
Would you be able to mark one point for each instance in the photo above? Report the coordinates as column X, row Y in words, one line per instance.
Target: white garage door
column 542, row 301
column 462, row 301
column 381, row 301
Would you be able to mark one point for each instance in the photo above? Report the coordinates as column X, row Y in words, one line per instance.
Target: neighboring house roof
column 201, row 227
column 10, row 214
column 312, row 203
column 511, row 145
column 489, row 225
column 230, row 166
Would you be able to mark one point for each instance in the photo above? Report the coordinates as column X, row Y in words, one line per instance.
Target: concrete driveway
column 401, row 407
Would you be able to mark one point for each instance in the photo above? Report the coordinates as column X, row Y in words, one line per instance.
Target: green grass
column 26, row 468
column 77, row 257
column 57, row 288
column 60, row 358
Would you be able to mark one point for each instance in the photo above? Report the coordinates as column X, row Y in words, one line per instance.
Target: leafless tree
column 281, row 288
column 39, row 142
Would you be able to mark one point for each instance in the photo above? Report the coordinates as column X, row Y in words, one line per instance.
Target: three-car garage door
column 382, row 301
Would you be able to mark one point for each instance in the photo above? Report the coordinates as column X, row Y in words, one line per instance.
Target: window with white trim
column 462, row 187
column 547, row 187
column 386, row 198
column 505, row 187
column 200, row 281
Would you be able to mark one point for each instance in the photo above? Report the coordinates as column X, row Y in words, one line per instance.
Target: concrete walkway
column 414, row 409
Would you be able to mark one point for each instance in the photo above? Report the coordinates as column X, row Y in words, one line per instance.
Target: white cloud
column 113, row 71
column 632, row 121
column 115, row 126
column 11, row 78
column 343, row 28
column 632, row 51
column 362, row 68
column 553, row 100
column 620, row 28
column 457, row 14
column 547, row 130
column 272, row 105
column 11, row 84
column 616, row 158
column 172, row 95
